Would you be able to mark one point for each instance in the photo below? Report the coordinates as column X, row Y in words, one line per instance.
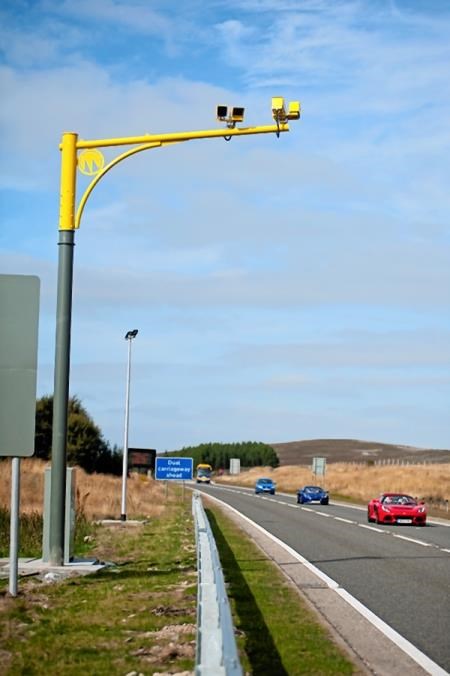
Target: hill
column 353, row 450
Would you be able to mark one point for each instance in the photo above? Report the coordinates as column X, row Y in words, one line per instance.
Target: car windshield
column 313, row 489
column 399, row 500
column 264, row 481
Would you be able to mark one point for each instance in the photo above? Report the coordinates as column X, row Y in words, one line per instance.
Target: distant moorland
column 354, row 450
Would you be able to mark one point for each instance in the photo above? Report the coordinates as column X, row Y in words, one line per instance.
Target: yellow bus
column 203, row 473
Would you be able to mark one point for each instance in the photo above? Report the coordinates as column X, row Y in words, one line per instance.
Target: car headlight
column 385, row 509
column 421, row 510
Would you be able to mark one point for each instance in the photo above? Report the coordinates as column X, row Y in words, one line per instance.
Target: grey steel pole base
column 61, row 396
column 123, row 517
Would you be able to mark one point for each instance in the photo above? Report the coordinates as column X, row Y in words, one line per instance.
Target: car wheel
column 324, row 502
column 272, row 492
column 377, row 518
column 369, row 518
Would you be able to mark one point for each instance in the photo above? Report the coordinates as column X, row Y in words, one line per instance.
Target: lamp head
column 131, row 334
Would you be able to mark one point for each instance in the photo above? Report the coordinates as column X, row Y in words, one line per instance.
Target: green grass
column 278, row 633
column 137, row 615
column 140, row 613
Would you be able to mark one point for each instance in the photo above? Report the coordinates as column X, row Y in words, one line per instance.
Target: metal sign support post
column 14, row 528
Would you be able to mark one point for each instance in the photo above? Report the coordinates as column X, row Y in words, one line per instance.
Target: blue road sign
column 174, row 468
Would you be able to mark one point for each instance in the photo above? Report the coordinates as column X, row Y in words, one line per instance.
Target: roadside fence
column 395, row 461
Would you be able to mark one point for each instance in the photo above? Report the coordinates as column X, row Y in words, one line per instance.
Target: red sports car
column 397, row 508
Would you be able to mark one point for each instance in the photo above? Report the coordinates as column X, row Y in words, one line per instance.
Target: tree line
column 250, row 453
column 86, row 446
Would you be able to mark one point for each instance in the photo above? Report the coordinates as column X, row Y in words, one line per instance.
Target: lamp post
column 123, row 515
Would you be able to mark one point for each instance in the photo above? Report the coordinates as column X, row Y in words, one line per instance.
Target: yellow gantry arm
column 70, row 144
column 181, row 136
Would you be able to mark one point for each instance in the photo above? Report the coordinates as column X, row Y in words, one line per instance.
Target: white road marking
column 339, row 518
column 327, row 515
column 377, row 530
column 418, row 542
column 407, row 647
column 419, row 657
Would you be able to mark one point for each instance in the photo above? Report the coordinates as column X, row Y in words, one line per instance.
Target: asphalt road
column 401, row 573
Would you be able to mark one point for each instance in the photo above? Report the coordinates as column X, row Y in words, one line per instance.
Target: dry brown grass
column 98, row 494
column 358, row 482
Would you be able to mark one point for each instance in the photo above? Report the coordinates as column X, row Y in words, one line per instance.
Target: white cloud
column 308, row 275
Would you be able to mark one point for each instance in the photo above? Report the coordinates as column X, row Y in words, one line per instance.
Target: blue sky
column 283, row 289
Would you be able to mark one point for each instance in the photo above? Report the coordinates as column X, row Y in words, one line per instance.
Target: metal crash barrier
column 216, row 653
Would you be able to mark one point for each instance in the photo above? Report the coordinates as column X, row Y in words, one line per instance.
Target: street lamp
column 123, row 516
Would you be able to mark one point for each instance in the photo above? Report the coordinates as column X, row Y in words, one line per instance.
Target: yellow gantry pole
column 69, row 221
column 68, row 181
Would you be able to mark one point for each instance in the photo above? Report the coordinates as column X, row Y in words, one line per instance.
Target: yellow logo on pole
column 91, row 162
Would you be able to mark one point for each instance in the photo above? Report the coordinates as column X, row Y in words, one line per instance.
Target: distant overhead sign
column 174, row 468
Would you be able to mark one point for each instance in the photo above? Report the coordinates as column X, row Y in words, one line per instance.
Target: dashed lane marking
column 340, row 518
column 417, row 542
column 377, row 530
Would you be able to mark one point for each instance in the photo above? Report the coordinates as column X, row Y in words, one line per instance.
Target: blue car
column 312, row 494
column 265, row 486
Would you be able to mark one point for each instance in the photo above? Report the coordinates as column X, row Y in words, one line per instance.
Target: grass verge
column 139, row 614
column 277, row 632
column 136, row 615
